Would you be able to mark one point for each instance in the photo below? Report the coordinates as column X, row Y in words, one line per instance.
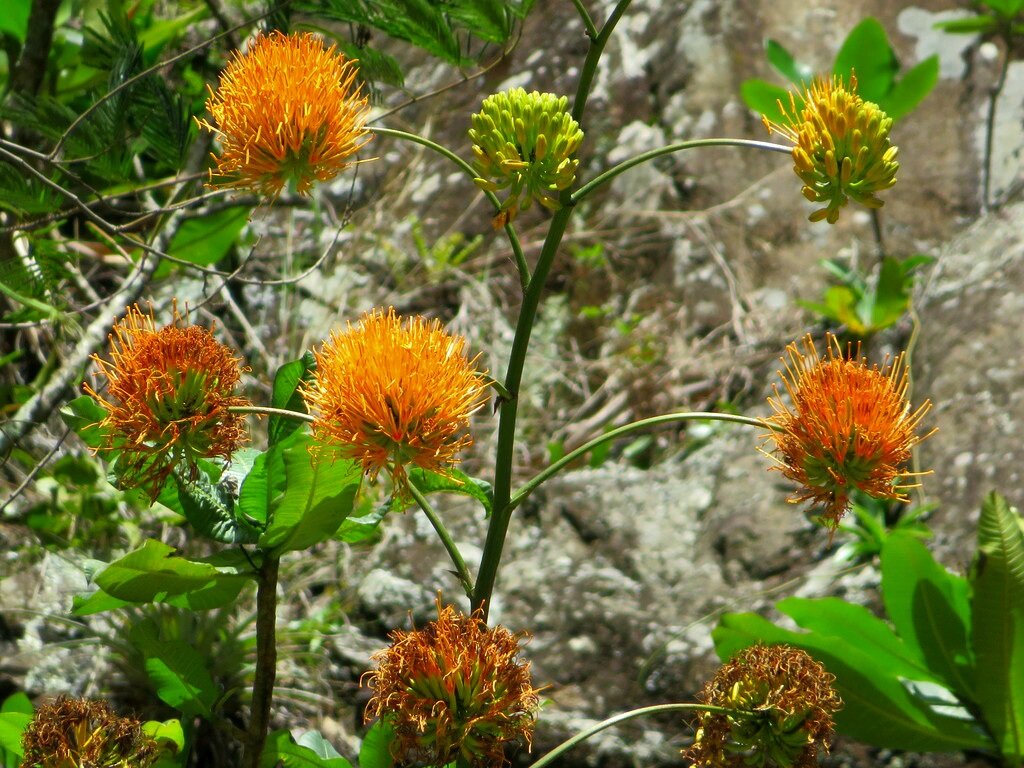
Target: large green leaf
column 375, row 751
column 997, row 609
column 282, row 749
column 14, row 20
column 205, row 240
column 177, row 670
column 783, row 61
column 911, row 89
column 209, row 508
column 930, row 608
column 871, row 690
column 866, row 52
column 764, row 97
column 304, row 498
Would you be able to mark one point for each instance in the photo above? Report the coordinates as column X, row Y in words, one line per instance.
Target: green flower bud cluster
column 523, row 143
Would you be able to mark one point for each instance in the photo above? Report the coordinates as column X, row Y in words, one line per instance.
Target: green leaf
column 872, row 692
column 891, row 296
column 178, row 671
column 866, row 52
column 12, row 726
column 168, row 734
column 18, row 702
column 209, row 508
column 375, row 751
column 764, row 97
column 454, row 481
column 83, row 415
column 969, row 26
column 484, row 18
column 997, row 609
column 97, row 602
column 375, row 66
column 205, row 240
column 929, row 606
column 911, row 89
column 286, row 394
column 365, row 528
column 282, row 749
column 14, row 20
column 307, row 497
column 315, row 741
column 1005, row 8
column 783, row 61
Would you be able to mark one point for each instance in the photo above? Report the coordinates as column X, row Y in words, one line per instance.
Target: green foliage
column 287, row 395
column 375, row 751
column 874, row 520
column 446, row 253
column 994, row 17
column 947, row 673
column 310, row 751
column 15, row 715
column 178, row 672
column 867, row 306
column 866, row 51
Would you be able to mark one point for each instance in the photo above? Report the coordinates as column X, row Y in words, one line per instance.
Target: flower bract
column 287, row 111
column 80, row 733
column 168, row 391
column 841, row 147
column 781, row 703
column 523, row 144
column 454, row 689
column 849, row 426
column 390, row 392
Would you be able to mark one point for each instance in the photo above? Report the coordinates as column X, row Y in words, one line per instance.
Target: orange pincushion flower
column 167, row 398
column 850, row 426
column 454, row 689
column 782, row 705
column 287, row 110
column 391, row 392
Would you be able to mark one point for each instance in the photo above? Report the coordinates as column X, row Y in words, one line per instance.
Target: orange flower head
column 850, row 426
column 167, row 398
column 454, row 689
column 781, row 704
column 841, row 146
column 288, row 110
column 70, row 733
column 391, row 392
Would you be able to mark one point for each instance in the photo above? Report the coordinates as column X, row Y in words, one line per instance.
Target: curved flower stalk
column 455, row 689
column 391, row 392
column 288, row 111
column 75, row 733
column 523, row 143
column 779, row 703
column 841, row 146
column 168, row 397
column 849, row 426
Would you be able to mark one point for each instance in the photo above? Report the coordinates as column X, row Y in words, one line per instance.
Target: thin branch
column 462, row 571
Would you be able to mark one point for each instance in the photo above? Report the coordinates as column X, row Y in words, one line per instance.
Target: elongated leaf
column 281, row 749
column 209, row 509
column 178, row 672
column 997, row 609
column 12, row 726
column 364, row 528
column 169, row 733
column 18, row 702
column 866, row 52
column 930, row 609
column 969, row 26
column 911, row 89
column 375, row 751
column 764, row 97
column 286, row 395
column 786, row 65
column 205, row 240
column 454, row 481
column 83, row 415
column 872, row 693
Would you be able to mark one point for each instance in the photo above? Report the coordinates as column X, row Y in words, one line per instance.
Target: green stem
column 588, row 23
column 268, row 411
column 266, row 661
column 513, row 238
column 565, row 746
column 531, row 485
column 498, row 528
column 446, row 539
column 643, row 157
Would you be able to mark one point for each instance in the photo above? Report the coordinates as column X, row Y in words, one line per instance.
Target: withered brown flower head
column 781, row 705
column 287, row 110
column 454, row 689
column 167, row 398
column 82, row 733
column 849, row 426
column 391, row 392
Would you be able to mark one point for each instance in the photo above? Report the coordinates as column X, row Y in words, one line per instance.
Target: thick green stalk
column 266, row 661
column 498, row 528
column 531, row 485
column 582, row 736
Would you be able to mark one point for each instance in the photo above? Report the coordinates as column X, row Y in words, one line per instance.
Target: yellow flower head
column 391, row 392
column 850, row 426
column 841, row 146
column 524, row 142
column 454, row 689
column 782, row 705
column 72, row 733
column 288, row 110
column 167, row 398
